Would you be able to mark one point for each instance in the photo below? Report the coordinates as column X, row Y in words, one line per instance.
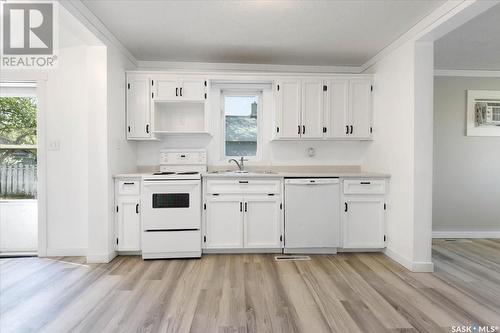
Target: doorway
column 18, row 169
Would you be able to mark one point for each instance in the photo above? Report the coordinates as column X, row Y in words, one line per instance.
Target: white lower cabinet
column 128, row 218
column 262, row 227
column 242, row 221
column 363, row 220
column 224, row 227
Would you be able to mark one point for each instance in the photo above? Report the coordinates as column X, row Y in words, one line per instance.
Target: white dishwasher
column 312, row 215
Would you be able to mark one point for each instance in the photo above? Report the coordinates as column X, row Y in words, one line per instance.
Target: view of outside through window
column 240, row 125
column 18, row 147
column 18, row 174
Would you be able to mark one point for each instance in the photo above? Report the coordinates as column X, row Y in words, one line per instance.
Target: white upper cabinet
column 180, row 88
column 288, row 104
column 360, row 108
column 167, row 88
column 138, row 108
column 337, row 111
column 313, row 108
column 312, row 120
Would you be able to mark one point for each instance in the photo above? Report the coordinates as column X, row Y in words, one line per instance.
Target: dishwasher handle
column 311, row 181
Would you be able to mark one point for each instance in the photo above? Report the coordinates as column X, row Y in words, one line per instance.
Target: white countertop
column 302, row 174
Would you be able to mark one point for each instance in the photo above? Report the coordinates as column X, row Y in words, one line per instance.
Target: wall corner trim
column 453, row 234
column 413, row 266
column 101, row 258
column 466, row 73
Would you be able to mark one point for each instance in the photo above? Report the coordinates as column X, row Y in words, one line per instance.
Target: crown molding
column 466, row 73
column 91, row 22
column 236, row 67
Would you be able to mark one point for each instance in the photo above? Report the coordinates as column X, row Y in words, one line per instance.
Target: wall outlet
column 54, row 145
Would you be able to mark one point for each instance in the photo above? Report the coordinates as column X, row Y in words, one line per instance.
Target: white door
column 363, row 223
column 138, row 108
column 288, row 95
column 192, row 89
column 312, row 109
column 224, row 222
column 337, row 108
column 167, row 89
column 360, row 108
column 262, row 222
column 128, row 224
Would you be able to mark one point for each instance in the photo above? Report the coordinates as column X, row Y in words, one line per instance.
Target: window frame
column 242, row 93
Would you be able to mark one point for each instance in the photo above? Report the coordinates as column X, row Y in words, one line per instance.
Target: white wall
column 466, row 178
column 273, row 152
column 121, row 153
column 402, row 112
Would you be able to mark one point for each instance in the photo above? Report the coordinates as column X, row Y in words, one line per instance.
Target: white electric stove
column 171, row 206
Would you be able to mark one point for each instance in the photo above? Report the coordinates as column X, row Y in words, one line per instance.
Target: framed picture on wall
column 483, row 112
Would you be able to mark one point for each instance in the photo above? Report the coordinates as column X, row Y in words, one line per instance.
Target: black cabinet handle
column 147, row 128
column 128, row 183
column 176, row 92
column 345, row 203
column 137, row 208
column 303, row 129
column 243, row 182
column 129, row 129
column 365, row 183
column 346, row 129
column 241, row 206
column 180, row 90
column 246, row 206
column 298, row 132
column 352, row 129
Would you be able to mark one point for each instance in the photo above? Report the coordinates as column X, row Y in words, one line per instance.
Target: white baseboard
column 101, row 258
column 465, row 234
column 78, row 252
column 413, row 266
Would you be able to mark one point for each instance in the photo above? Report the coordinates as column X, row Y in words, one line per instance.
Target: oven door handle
column 162, row 182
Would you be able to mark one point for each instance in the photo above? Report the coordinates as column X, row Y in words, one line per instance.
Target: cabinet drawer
column 129, row 187
column 364, row 186
column 244, row 186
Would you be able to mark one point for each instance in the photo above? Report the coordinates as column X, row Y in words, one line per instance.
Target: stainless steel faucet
column 240, row 164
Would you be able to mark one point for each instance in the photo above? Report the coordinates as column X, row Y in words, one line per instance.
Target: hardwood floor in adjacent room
column 254, row 293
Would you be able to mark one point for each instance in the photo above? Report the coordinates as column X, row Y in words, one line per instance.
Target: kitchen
column 259, row 207
column 257, row 166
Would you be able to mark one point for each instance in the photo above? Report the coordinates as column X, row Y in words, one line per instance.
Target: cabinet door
column 360, row 108
column 224, row 222
column 363, row 223
column 128, row 224
column 262, row 222
column 288, row 105
column 138, row 108
column 337, row 108
column 167, row 89
column 312, row 109
column 192, row 89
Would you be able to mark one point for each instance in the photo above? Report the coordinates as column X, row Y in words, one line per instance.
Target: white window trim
column 242, row 92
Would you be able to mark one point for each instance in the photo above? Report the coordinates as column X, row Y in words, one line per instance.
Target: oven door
column 171, row 205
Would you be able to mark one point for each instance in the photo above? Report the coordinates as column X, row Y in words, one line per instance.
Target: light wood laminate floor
column 254, row 293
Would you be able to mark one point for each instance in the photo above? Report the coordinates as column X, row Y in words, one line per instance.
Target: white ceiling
column 472, row 46
column 329, row 33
